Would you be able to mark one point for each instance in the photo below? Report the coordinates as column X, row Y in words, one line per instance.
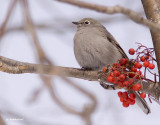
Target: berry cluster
column 127, row 99
column 125, row 73
column 145, row 58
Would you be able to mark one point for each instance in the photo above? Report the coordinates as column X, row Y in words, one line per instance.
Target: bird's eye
column 87, row 22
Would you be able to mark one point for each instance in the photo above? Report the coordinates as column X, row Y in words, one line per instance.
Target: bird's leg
column 86, row 69
column 106, row 86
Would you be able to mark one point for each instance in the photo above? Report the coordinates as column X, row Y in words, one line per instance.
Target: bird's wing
column 115, row 43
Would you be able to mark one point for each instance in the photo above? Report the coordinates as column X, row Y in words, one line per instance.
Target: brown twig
column 115, row 9
column 10, row 10
column 36, row 94
column 2, row 121
column 152, row 10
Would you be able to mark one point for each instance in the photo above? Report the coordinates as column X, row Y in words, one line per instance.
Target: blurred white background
column 57, row 42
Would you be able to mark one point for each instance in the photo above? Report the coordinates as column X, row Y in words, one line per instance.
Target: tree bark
column 152, row 10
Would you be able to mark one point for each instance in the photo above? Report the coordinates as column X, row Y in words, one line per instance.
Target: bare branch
column 115, row 9
column 16, row 67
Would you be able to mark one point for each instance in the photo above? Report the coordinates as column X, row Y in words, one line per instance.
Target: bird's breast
column 93, row 50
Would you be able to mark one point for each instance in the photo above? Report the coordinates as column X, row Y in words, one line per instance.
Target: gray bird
column 95, row 47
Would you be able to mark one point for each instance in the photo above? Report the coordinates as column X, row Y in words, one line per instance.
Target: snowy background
column 57, row 41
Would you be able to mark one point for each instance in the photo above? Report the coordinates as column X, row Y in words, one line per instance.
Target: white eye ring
column 87, row 22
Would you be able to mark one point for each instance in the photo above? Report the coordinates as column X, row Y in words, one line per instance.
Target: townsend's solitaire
column 95, row 47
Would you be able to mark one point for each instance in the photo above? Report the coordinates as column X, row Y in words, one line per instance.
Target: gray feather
column 141, row 103
column 93, row 50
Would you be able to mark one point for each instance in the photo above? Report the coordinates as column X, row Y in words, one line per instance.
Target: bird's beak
column 76, row 23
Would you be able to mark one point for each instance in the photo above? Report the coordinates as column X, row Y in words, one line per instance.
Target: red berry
column 146, row 63
column 110, row 79
column 120, row 84
column 116, row 73
column 138, row 65
column 131, row 51
column 143, row 95
column 143, row 58
column 131, row 101
column 123, row 61
column 125, row 83
column 125, row 104
column 115, row 81
column 119, row 94
column 125, row 95
column 136, row 87
column 114, row 64
column 133, row 69
column 131, row 75
column 121, row 77
column 121, row 99
column 151, row 66
column 132, row 96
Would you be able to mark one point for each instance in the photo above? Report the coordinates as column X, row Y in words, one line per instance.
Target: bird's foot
column 86, row 69
column 106, row 86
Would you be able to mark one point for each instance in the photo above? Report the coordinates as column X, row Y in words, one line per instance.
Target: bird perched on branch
column 95, row 47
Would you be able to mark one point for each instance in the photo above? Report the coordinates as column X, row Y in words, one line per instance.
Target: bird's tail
column 141, row 103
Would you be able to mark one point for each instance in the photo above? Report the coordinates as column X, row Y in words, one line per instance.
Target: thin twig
column 10, row 10
column 115, row 9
